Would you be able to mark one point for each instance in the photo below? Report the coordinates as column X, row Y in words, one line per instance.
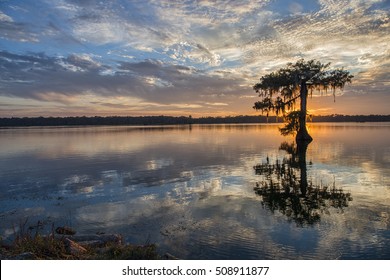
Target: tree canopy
column 281, row 90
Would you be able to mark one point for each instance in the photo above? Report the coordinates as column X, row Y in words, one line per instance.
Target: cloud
column 57, row 79
column 16, row 31
column 127, row 23
column 156, row 26
column 33, row 75
column 82, row 62
column 165, row 53
column 5, row 18
column 338, row 33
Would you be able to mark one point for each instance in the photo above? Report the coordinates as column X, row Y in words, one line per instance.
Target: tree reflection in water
column 285, row 188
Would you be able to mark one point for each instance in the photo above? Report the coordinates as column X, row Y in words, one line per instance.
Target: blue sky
column 199, row 58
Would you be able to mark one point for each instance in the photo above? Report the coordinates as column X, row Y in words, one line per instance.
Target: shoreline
column 170, row 120
column 65, row 244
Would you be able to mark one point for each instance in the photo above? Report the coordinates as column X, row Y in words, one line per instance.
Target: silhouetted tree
column 284, row 187
column 281, row 90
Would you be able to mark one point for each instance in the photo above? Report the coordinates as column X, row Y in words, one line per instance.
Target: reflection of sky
column 355, row 157
column 191, row 191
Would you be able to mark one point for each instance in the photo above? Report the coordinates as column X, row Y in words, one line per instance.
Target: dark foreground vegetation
column 65, row 244
column 169, row 120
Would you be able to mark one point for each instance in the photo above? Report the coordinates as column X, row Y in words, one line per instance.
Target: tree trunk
column 302, row 134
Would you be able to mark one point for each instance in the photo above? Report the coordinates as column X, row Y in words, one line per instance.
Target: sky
column 180, row 58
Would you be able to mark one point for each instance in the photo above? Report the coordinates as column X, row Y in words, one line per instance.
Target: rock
column 168, row 256
column 73, row 248
column 65, row 231
column 91, row 243
column 95, row 240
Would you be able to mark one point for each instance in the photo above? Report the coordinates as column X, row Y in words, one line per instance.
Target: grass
column 50, row 248
column 127, row 252
column 29, row 245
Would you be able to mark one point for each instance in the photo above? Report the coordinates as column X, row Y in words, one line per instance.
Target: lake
column 205, row 191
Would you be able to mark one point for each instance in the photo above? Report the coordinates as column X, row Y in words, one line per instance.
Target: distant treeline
column 169, row 120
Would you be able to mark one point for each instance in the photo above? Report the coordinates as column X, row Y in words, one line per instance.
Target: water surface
column 192, row 189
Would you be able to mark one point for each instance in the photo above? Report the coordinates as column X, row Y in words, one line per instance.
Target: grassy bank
column 63, row 247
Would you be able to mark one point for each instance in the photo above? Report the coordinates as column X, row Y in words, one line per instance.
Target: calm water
column 195, row 192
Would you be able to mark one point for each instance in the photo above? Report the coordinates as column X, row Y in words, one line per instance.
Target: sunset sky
column 199, row 58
